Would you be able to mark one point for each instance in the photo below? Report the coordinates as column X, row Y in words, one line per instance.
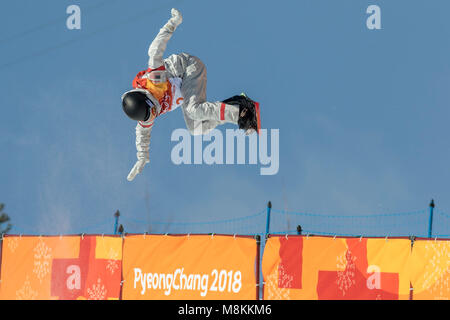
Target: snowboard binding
column 249, row 113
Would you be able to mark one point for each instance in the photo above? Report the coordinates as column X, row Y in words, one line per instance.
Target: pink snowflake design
column 97, row 291
column 284, row 278
column 113, row 263
column 42, row 260
column 13, row 243
column 274, row 292
column 435, row 279
column 346, row 279
column 26, row 292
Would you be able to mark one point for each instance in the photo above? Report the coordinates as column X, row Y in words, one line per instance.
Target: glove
column 177, row 18
column 175, row 21
column 138, row 167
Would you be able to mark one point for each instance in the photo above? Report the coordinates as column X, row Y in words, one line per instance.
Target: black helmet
column 136, row 104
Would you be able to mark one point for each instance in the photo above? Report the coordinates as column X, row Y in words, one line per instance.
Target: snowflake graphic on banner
column 113, row 263
column 346, row 278
column 97, row 291
column 275, row 281
column 435, row 279
column 13, row 243
column 26, row 292
column 42, row 260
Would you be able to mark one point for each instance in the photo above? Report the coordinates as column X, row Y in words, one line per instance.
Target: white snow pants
column 200, row 115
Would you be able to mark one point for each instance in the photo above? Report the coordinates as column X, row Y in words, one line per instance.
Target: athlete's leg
column 200, row 115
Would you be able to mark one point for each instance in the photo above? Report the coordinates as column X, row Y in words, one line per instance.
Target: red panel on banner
column 290, row 263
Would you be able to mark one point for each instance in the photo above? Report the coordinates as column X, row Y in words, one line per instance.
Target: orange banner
column 69, row 267
column 430, row 269
column 298, row 267
column 191, row 267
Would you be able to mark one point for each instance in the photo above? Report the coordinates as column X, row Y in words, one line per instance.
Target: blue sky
column 363, row 114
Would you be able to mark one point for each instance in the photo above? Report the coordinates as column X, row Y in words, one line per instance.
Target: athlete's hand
column 177, row 18
column 138, row 167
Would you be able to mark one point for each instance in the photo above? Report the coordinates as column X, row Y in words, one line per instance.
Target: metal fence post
column 261, row 287
column 116, row 223
column 430, row 223
column 269, row 208
column 258, row 266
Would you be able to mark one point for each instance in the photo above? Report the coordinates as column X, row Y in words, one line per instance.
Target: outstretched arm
column 158, row 46
column 143, row 134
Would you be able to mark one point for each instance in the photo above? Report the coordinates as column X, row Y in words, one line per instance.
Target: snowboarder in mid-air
column 179, row 81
